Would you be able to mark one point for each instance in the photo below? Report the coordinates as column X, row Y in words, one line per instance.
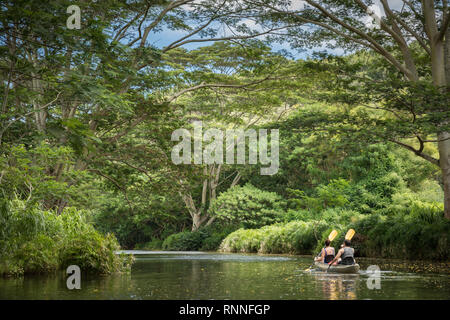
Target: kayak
column 340, row 268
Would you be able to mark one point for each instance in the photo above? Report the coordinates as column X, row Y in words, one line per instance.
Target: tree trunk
column 199, row 214
column 444, row 162
column 444, row 145
column 198, row 220
column 441, row 79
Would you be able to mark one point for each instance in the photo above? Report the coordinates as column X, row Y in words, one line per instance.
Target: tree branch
column 215, row 85
column 417, row 152
column 444, row 25
column 229, row 38
column 388, row 56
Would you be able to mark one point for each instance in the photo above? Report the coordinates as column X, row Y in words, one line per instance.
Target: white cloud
column 297, row 5
column 375, row 13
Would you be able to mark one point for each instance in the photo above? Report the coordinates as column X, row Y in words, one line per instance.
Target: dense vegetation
column 36, row 241
column 87, row 118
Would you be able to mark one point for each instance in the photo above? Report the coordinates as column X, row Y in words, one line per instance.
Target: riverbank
column 36, row 241
column 414, row 236
column 401, row 237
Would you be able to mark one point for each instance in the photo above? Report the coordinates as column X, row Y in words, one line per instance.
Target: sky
column 166, row 36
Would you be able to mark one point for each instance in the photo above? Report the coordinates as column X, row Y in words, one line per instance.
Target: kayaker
column 346, row 253
column 327, row 254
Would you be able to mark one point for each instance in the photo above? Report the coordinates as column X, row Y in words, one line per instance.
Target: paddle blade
column 350, row 234
column 332, row 235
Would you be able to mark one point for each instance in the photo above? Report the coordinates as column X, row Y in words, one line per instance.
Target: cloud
column 297, row 5
column 375, row 13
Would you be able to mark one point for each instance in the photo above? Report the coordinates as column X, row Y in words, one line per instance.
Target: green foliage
column 330, row 195
column 296, row 237
column 248, row 207
column 184, row 241
column 243, row 240
column 92, row 131
column 93, row 252
column 215, row 235
column 37, row 241
column 25, row 171
column 156, row 218
column 154, row 244
column 420, row 232
column 39, row 255
column 206, row 239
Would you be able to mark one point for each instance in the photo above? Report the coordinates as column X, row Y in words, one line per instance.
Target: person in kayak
column 327, row 254
column 346, row 254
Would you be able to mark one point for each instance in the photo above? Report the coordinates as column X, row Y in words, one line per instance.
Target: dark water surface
column 196, row 275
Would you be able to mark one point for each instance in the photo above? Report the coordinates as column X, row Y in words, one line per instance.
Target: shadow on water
column 193, row 275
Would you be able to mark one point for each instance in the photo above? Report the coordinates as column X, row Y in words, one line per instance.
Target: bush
column 248, row 207
column 243, row 240
column 37, row 256
column 215, row 235
column 152, row 219
column 184, row 241
column 298, row 215
column 296, row 237
column 207, row 238
column 36, row 241
column 93, row 252
column 422, row 232
column 154, row 244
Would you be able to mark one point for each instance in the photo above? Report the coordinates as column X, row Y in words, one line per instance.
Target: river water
column 197, row 275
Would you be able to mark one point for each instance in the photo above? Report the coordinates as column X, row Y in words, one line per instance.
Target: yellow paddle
column 331, row 237
column 348, row 236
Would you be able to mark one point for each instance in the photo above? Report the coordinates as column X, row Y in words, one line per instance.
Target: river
column 197, row 275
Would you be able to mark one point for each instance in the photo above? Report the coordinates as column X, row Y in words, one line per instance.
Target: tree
column 248, row 207
column 91, row 88
column 255, row 83
column 423, row 23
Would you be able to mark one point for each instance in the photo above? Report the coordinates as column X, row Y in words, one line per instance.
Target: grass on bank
column 417, row 231
column 422, row 234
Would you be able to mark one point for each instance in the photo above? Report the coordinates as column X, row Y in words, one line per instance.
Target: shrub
column 248, row 207
column 184, row 241
column 154, row 244
column 242, row 240
column 423, row 233
column 296, row 215
column 339, row 216
column 35, row 241
column 420, row 233
column 296, row 237
column 37, row 256
column 93, row 252
column 215, row 236
column 305, row 237
column 207, row 238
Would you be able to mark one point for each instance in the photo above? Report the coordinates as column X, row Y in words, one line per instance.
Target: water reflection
column 336, row 286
